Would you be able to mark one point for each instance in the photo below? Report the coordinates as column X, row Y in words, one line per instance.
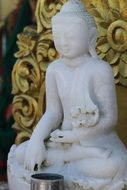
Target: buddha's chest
column 73, row 84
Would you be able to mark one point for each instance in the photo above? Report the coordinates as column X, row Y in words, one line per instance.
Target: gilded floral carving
column 111, row 20
column 26, row 113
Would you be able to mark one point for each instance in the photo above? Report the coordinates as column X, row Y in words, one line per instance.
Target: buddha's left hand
column 61, row 136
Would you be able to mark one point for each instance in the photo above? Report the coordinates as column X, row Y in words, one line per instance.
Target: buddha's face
column 70, row 37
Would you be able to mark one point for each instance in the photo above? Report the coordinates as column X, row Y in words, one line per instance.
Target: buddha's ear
column 92, row 42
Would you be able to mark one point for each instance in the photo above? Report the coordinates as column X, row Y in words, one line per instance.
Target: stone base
column 3, row 186
column 16, row 183
column 19, row 178
column 15, row 173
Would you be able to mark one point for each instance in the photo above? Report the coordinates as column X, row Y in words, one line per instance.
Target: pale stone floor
column 3, row 186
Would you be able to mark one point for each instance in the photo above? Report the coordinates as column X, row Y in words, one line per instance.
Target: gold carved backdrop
column 36, row 51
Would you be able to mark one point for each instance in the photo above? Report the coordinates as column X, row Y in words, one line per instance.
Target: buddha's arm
column 105, row 96
column 53, row 115
column 36, row 153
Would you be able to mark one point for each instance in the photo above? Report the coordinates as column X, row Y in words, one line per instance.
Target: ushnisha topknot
column 75, row 8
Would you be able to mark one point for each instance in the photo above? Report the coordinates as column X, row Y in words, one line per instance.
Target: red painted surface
column 2, row 164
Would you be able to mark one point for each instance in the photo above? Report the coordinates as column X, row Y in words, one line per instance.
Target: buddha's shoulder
column 101, row 67
column 54, row 66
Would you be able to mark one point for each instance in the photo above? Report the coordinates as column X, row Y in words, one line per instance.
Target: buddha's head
column 74, row 30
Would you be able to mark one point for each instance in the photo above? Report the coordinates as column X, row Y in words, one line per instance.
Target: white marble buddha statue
column 76, row 136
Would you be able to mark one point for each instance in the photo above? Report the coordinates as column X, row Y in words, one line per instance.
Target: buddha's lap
column 101, row 168
column 96, row 167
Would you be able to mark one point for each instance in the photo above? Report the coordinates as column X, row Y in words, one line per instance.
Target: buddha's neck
column 75, row 62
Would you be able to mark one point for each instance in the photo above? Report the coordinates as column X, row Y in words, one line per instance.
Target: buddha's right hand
column 35, row 155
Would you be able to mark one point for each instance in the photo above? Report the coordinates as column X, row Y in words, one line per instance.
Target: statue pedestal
column 19, row 178
column 16, row 183
column 16, row 177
